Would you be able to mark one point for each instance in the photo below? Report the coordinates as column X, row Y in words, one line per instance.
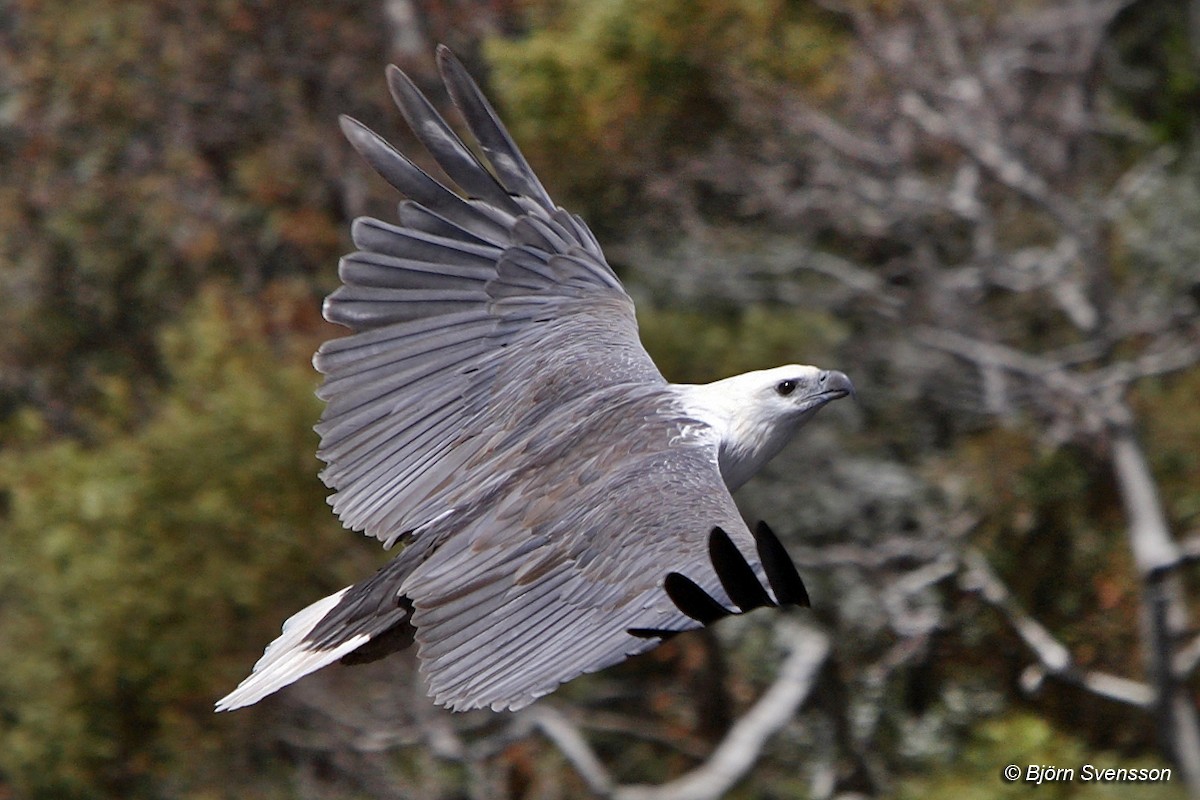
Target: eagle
column 559, row 504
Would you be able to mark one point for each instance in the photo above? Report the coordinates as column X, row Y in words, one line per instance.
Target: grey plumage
column 561, row 505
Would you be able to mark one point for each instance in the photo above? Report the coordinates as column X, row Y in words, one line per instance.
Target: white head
column 756, row 413
column 791, row 393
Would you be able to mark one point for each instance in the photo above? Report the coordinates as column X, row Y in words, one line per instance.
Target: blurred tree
column 1026, row 740
column 986, row 214
column 142, row 572
column 612, row 97
column 979, row 192
column 146, row 145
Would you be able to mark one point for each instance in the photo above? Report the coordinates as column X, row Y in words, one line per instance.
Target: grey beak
column 835, row 385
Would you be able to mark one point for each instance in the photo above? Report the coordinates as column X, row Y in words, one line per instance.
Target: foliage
column 142, row 573
column 1159, row 77
column 147, row 145
column 691, row 347
column 605, row 94
column 159, row 511
column 1024, row 740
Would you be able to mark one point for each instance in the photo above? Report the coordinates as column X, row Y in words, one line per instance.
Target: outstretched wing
column 495, row 408
column 442, row 301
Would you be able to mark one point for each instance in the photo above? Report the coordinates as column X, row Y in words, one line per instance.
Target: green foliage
column 603, row 94
column 691, row 347
column 1022, row 739
column 147, row 145
column 1158, row 40
column 141, row 575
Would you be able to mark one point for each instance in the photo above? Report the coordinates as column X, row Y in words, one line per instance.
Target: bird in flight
column 561, row 506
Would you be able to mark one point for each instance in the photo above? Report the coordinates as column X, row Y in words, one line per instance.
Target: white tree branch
column 1149, row 535
column 737, row 753
column 1053, row 656
column 1172, row 359
column 742, row 746
column 574, row 747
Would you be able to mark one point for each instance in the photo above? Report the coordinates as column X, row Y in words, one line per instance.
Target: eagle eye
column 785, row 387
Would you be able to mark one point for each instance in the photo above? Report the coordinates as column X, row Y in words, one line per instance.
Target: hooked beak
column 834, row 385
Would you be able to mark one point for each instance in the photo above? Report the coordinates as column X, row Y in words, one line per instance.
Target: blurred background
column 987, row 214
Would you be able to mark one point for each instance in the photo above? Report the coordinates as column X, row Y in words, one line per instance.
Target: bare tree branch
column 571, row 743
column 1006, row 167
column 1187, row 659
column 1053, row 656
column 738, row 751
column 1165, row 614
column 1149, row 535
column 805, row 118
column 740, row 748
column 1182, row 355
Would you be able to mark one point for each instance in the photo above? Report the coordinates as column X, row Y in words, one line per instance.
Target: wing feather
column 418, row 217
column 593, row 583
column 387, row 272
column 335, row 355
column 501, row 150
column 463, row 293
column 381, row 237
column 367, row 399
column 454, row 157
column 413, row 182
